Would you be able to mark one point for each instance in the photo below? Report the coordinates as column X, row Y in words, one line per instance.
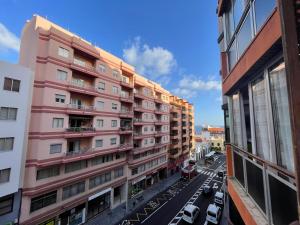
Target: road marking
column 154, row 212
column 190, row 201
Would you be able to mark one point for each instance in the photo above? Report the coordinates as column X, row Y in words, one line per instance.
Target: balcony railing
column 81, row 129
column 81, row 107
column 126, row 128
column 79, row 151
column 271, row 187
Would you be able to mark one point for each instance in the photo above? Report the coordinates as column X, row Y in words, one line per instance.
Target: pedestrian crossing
column 208, row 173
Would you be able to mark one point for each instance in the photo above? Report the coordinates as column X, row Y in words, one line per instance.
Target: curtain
column 281, row 117
column 260, row 119
column 237, row 124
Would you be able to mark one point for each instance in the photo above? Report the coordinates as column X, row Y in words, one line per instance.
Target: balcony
column 126, row 113
column 159, row 111
column 83, row 67
column 82, row 108
column 125, row 147
column 175, row 109
column 140, row 122
column 271, row 188
column 174, row 118
column 125, row 97
column 160, row 122
column 126, row 84
column 73, row 132
column 82, row 88
column 126, row 130
column 158, row 100
column 139, row 108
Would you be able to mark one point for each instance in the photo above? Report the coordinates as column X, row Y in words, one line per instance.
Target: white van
column 213, row 214
column 190, row 213
column 219, row 198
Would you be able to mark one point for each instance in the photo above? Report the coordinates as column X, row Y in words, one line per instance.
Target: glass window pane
column 283, row 202
column 281, row 117
column 260, row 119
column 12, row 115
column 239, row 168
column 237, row 124
column 229, row 22
column 263, row 9
column 3, row 113
column 244, row 36
column 232, row 59
column 239, row 6
column 16, row 85
column 7, row 84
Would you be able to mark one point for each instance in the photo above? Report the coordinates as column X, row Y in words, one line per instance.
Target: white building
column 16, row 84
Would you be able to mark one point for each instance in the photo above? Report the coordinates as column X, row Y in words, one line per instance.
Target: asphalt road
column 166, row 207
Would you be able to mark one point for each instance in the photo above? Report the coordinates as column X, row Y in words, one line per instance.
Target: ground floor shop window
column 98, row 205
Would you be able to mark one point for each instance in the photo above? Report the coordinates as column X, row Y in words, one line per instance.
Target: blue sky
column 173, row 42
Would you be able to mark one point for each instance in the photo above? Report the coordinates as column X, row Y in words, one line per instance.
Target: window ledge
column 245, row 205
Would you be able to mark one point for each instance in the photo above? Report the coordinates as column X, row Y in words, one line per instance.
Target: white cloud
column 152, row 61
column 189, row 86
column 8, row 40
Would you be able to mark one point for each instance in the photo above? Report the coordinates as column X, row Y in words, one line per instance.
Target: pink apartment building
column 99, row 133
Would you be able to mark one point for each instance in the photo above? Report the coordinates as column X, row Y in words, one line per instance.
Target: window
column 134, row 171
column 281, row 118
column 114, row 123
column 232, row 59
column 229, row 22
column 145, row 141
column 100, row 105
column 73, row 190
column 61, row 75
column 63, row 52
column 263, row 9
column 99, row 123
column 239, row 6
column 58, row 122
column 260, row 119
column 145, row 129
column 118, row 172
column 115, row 90
column 11, row 84
column 47, row 172
column 101, row 86
column 151, row 140
column 43, row 201
column 113, row 141
column 6, row 143
column 102, row 159
column 102, row 68
column 244, row 36
column 237, row 123
column 6, row 204
column 99, row 143
column 4, row 175
column 101, row 179
column 114, row 106
column 73, row 166
column 55, row 148
column 115, row 74
column 7, row 113
column 60, row 98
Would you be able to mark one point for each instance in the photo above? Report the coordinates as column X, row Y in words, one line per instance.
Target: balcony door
column 74, row 146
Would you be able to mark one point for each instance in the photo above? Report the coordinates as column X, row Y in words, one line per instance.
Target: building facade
column 99, row 132
column 15, row 100
column 182, row 133
column 259, row 43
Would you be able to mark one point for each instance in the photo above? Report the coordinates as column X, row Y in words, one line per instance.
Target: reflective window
column 244, row 36
column 232, row 56
column 263, row 9
column 229, row 22
column 239, row 6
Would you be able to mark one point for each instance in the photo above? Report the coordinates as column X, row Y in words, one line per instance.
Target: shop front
column 75, row 216
column 98, row 202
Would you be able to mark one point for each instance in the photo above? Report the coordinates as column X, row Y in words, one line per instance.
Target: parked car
column 190, row 213
column 207, row 190
column 213, row 214
column 219, row 198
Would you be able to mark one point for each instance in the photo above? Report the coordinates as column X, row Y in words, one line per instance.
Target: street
column 167, row 207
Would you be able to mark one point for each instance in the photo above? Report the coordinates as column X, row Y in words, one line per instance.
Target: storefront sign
column 99, row 194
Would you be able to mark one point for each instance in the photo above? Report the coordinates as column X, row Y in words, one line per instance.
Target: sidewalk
column 109, row 217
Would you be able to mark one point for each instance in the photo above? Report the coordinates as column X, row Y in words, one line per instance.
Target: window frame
column 12, row 80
